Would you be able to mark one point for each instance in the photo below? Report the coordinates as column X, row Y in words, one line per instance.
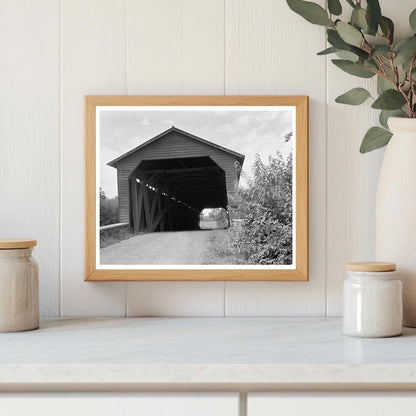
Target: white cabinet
column 331, row 404
column 120, row 404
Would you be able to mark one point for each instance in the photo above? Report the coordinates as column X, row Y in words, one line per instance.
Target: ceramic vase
column 396, row 210
column 19, row 290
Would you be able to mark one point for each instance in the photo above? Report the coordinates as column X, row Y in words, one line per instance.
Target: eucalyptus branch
column 368, row 49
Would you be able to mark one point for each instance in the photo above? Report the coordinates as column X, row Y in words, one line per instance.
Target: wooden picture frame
column 297, row 272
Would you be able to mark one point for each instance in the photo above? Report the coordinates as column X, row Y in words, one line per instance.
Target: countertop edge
column 206, row 374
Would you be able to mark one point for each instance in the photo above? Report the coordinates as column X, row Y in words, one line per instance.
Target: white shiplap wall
column 55, row 52
column 29, row 134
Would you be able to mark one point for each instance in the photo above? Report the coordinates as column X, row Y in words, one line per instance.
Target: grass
column 222, row 249
column 114, row 235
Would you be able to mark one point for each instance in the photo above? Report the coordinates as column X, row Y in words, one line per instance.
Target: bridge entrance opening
column 214, row 219
column 170, row 194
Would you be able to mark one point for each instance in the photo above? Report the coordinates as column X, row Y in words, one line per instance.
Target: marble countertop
column 235, row 351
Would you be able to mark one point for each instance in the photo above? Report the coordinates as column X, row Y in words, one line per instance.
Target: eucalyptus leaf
column 386, row 114
column 375, row 138
column 349, row 34
column 389, row 100
column 352, row 68
column 334, row 7
column 373, row 14
column 405, row 50
column 356, row 96
column 392, row 76
column 406, row 64
column 347, row 55
column 383, row 85
column 351, row 56
column 327, row 51
column 358, row 18
column 387, row 27
column 336, row 41
column 372, row 65
column 412, row 20
column 311, row 12
column 383, row 50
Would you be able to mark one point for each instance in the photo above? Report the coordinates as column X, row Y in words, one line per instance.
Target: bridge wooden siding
column 171, row 144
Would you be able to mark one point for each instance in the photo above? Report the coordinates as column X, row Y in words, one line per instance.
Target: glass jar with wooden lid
column 372, row 300
column 19, row 286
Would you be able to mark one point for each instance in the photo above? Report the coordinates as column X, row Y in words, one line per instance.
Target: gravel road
column 176, row 247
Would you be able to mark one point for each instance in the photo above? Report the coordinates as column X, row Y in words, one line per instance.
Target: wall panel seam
column 326, row 177
column 326, row 183
column 126, row 90
column 60, row 162
column 225, row 51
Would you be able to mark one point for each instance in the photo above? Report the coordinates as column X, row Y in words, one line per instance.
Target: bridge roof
column 240, row 157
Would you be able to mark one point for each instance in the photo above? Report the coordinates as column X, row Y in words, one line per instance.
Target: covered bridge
column 165, row 183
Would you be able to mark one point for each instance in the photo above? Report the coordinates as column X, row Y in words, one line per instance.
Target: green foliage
column 312, row 12
column 336, row 41
column 383, row 84
column 352, row 68
column 359, row 18
column 349, row 34
column 365, row 44
column 375, row 138
column 387, row 27
column 327, row 51
column 356, row 96
column 334, row 7
column 405, row 51
column 347, row 55
column 109, row 209
column 386, row 114
column 412, row 20
column 389, row 100
column 265, row 206
column 373, row 15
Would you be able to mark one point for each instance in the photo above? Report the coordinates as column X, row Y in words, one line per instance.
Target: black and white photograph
column 195, row 187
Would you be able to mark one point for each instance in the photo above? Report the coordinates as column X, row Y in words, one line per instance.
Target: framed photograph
column 196, row 188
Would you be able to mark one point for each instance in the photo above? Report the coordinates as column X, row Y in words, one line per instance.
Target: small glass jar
column 19, row 286
column 372, row 300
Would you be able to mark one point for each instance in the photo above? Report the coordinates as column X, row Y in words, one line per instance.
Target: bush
column 265, row 206
column 109, row 209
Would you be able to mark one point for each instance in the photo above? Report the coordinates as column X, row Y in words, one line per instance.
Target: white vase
column 396, row 210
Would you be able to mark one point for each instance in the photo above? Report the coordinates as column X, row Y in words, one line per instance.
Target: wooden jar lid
column 13, row 243
column 371, row 266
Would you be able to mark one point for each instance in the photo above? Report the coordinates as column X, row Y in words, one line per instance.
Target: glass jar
column 372, row 300
column 19, row 286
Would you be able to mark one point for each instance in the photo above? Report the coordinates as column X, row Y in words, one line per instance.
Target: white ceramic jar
column 19, row 286
column 372, row 300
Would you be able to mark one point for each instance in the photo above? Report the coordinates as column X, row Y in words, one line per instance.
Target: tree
column 109, row 209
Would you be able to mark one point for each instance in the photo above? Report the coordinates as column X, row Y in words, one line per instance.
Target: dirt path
column 180, row 247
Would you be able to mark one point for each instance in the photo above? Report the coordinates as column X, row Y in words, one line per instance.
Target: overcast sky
column 246, row 132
